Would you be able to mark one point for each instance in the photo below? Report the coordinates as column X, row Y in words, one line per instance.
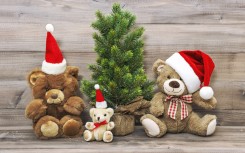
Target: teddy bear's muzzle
column 174, row 87
column 54, row 96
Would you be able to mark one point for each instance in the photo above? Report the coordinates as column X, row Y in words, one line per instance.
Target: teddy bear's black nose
column 174, row 84
column 54, row 96
column 98, row 118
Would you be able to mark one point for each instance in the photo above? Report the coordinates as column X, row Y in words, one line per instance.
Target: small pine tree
column 119, row 69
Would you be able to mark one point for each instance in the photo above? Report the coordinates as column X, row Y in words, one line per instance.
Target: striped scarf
column 172, row 109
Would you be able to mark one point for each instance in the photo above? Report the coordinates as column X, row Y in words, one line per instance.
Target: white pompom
column 50, row 28
column 206, row 93
column 96, row 86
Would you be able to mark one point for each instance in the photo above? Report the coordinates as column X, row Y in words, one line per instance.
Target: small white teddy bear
column 100, row 128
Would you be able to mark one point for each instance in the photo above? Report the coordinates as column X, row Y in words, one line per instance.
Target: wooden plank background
column 214, row 26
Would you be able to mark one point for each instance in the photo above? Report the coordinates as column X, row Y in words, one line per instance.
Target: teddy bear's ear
column 158, row 66
column 34, row 75
column 72, row 71
column 91, row 112
column 110, row 111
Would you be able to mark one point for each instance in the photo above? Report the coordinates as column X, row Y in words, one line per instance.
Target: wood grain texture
column 148, row 11
column 170, row 25
column 77, row 37
column 226, row 139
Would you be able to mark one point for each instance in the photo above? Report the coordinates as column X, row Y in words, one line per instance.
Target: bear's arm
column 206, row 104
column 110, row 126
column 157, row 106
column 35, row 109
column 74, row 105
column 89, row 125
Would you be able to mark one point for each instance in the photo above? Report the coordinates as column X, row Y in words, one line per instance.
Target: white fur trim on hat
column 56, row 68
column 102, row 104
column 179, row 64
column 49, row 28
column 96, row 86
column 206, row 93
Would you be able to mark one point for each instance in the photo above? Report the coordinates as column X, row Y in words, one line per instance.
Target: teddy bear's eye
column 94, row 115
column 104, row 114
column 169, row 77
column 181, row 79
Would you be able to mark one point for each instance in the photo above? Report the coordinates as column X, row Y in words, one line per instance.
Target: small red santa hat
column 54, row 62
column 100, row 101
column 195, row 68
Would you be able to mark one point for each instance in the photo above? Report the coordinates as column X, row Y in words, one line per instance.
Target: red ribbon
column 172, row 109
column 99, row 124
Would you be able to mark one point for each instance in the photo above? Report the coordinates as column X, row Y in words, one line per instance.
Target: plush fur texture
column 102, row 132
column 55, row 109
column 158, row 122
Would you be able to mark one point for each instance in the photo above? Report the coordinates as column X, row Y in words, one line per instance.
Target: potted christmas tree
column 119, row 68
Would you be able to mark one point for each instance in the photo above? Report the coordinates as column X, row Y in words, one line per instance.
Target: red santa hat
column 195, row 68
column 54, row 62
column 100, row 101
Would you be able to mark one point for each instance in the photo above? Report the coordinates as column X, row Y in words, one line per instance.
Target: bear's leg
column 47, row 127
column 153, row 126
column 88, row 135
column 204, row 126
column 71, row 125
column 107, row 136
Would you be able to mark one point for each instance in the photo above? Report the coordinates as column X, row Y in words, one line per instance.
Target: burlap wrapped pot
column 124, row 117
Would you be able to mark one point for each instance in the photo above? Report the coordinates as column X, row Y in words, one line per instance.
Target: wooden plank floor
column 226, row 140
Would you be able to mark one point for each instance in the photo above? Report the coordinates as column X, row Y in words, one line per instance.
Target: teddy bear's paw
column 211, row 127
column 111, row 125
column 151, row 127
column 74, row 105
column 212, row 103
column 50, row 129
column 87, row 135
column 108, row 136
column 71, row 127
column 89, row 125
column 35, row 109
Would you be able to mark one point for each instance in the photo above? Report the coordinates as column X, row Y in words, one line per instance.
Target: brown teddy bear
column 182, row 80
column 100, row 128
column 56, row 109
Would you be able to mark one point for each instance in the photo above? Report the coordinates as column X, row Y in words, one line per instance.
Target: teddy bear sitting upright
column 56, row 109
column 100, row 128
column 182, row 80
